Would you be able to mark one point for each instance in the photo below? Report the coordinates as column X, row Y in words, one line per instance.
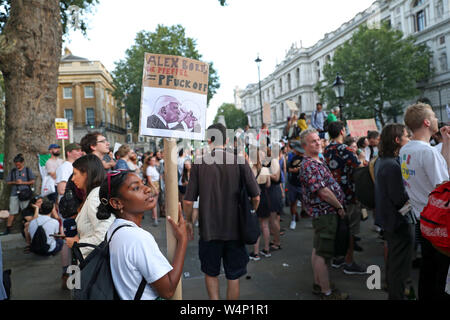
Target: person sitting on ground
column 29, row 213
column 50, row 226
column 134, row 253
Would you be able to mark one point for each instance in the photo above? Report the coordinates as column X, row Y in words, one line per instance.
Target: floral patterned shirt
column 342, row 161
column 315, row 176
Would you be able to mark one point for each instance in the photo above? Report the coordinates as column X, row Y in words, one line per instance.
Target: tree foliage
column 128, row 72
column 381, row 69
column 67, row 15
column 234, row 118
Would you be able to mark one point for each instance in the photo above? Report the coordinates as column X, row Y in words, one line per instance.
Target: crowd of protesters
column 311, row 170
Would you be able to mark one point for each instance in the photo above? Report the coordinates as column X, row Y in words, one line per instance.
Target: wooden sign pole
column 171, row 183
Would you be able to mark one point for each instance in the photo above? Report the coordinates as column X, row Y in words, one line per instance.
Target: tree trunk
column 30, row 53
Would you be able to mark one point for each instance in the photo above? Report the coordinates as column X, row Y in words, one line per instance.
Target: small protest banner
column 174, row 97
column 359, row 128
column 62, row 129
column 267, row 117
column 292, row 105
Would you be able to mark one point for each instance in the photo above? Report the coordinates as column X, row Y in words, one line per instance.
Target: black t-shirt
column 292, row 176
column 217, row 185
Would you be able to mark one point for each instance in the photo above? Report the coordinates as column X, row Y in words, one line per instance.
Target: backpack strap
column 141, row 289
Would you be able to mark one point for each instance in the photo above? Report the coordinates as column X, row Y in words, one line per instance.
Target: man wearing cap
column 52, row 165
column 295, row 187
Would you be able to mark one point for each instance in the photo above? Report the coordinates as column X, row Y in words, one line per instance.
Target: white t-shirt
column 50, row 225
column 64, row 172
column 134, row 254
column 439, row 147
column 423, row 168
column 152, row 173
column 367, row 153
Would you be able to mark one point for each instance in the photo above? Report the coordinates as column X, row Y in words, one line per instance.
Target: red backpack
column 435, row 217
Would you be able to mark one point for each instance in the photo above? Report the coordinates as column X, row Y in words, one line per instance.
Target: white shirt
column 367, row 153
column 439, row 147
column 64, row 172
column 152, row 173
column 90, row 229
column 423, row 168
column 134, row 254
column 50, row 225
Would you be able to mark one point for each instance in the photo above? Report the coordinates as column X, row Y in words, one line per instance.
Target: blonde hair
column 304, row 134
column 123, row 150
column 416, row 114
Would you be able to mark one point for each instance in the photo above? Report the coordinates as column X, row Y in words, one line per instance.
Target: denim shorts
column 234, row 255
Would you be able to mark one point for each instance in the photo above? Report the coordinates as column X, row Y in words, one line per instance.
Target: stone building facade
column 296, row 76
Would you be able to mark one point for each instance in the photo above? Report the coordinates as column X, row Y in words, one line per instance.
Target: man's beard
column 56, row 154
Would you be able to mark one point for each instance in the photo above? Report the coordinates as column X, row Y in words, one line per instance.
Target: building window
column 67, row 92
column 90, row 117
column 420, row 20
column 441, row 40
column 89, row 92
column 289, row 81
column 418, row 3
column 298, row 77
column 443, row 64
column 281, row 85
column 68, row 114
column 129, row 138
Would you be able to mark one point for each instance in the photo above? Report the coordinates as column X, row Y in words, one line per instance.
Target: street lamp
column 339, row 89
column 258, row 62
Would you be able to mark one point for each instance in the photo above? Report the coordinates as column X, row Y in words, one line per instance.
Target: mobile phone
column 58, row 236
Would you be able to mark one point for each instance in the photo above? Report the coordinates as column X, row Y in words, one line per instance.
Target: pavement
column 286, row 275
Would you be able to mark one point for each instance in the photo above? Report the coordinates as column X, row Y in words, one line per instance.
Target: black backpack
column 24, row 192
column 248, row 221
column 363, row 178
column 39, row 242
column 70, row 201
column 96, row 277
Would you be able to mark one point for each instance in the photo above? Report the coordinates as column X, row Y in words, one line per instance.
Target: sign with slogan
column 174, row 92
column 267, row 117
column 62, row 129
column 359, row 128
column 292, row 105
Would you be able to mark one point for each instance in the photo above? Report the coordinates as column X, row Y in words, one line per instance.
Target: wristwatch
column 252, row 211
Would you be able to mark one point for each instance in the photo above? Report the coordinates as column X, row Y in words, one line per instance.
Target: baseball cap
column 53, row 146
column 72, row 146
column 297, row 146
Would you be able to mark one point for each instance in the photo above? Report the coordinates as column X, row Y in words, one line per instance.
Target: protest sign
column 174, row 97
column 62, row 129
column 266, row 113
column 292, row 105
column 359, row 128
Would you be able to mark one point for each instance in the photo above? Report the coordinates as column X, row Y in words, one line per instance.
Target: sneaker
column 254, row 257
column 354, row 268
column 335, row 295
column 317, row 290
column 265, row 253
column 293, row 225
column 337, row 262
column 155, row 222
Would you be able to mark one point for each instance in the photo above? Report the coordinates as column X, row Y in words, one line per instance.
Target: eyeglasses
column 102, row 141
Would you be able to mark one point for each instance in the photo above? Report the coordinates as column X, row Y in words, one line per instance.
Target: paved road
column 287, row 275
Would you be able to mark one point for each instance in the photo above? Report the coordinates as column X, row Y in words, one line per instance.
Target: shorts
column 15, row 205
column 353, row 213
column 234, row 255
column 294, row 193
column 325, row 234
